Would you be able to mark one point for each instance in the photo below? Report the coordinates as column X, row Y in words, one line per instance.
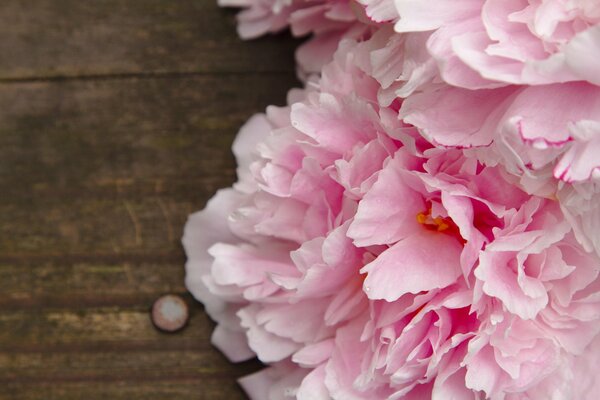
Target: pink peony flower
column 490, row 43
column 361, row 259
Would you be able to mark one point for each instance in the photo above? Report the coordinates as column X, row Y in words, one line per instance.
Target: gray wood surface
column 116, row 120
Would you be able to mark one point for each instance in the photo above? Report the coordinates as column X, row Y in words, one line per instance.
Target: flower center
column 438, row 224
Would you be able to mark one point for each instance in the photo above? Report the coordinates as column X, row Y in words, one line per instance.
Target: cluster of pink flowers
column 422, row 221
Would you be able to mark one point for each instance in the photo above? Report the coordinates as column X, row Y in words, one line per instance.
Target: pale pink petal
column 581, row 161
column 583, row 54
column 500, row 281
column 543, row 117
column 424, row 261
column 317, row 52
column 440, row 115
column 313, row 386
column 416, row 15
column 267, row 346
column 232, row 343
column 278, row 382
column 380, row 10
column 247, row 265
column 314, row 354
column 483, row 372
column 336, row 124
column 251, row 133
column 390, row 199
column 301, row 322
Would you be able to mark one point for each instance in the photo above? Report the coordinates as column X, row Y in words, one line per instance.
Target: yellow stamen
column 442, row 227
column 422, row 218
column 438, row 223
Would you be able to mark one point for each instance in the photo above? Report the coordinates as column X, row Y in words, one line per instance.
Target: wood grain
column 116, row 121
column 73, row 38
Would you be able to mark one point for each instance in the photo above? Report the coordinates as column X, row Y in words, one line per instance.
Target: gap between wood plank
column 135, row 258
column 138, row 75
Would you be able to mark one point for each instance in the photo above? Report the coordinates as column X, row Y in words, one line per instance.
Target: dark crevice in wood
column 83, row 300
column 140, row 75
column 70, row 258
column 170, row 342
column 121, row 377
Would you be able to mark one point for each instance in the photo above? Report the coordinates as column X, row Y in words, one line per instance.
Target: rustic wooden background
column 116, row 118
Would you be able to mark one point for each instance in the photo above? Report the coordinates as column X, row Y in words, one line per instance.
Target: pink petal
column 251, row 133
column 314, row 354
column 417, row 15
column 424, row 261
column 483, row 372
column 277, row 382
column 232, row 343
column 388, row 212
column 380, row 10
column 267, row 346
column 581, row 161
column 336, row 124
column 313, row 386
column 457, row 117
column 583, row 54
column 501, row 282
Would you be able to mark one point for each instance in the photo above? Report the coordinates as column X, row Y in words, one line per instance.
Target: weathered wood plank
column 112, row 366
column 191, row 389
column 65, row 137
column 116, row 166
column 78, row 328
column 137, row 226
column 107, row 345
column 59, row 283
column 57, row 38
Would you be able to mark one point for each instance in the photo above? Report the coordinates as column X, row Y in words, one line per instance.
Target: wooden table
column 116, row 119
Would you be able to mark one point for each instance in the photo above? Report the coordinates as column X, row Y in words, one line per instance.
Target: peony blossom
column 384, row 248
